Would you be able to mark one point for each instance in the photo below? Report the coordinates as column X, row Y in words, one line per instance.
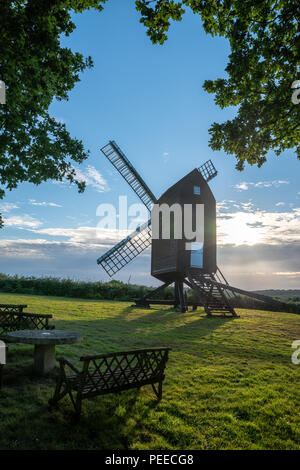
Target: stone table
column 45, row 342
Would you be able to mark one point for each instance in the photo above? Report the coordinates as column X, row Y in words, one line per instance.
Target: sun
column 239, row 228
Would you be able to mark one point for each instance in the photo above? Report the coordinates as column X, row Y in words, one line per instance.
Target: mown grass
column 230, row 383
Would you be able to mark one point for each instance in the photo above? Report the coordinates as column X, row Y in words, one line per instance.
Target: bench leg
column 61, row 390
column 158, row 391
column 58, row 395
column 77, row 405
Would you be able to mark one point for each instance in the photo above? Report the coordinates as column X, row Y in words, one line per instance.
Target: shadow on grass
column 110, row 421
column 117, row 421
column 147, row 328
column 107, row 422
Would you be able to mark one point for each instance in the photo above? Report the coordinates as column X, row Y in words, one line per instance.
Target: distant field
column 284, row 294
column 230, row 383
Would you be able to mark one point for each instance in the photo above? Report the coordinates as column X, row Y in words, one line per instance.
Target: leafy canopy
column 34, row 147
column 265, row 52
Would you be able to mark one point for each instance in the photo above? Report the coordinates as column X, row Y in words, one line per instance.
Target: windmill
column 171, row 261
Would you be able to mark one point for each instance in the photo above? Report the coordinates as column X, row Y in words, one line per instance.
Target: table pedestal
column 44, row 342
column 44, row 358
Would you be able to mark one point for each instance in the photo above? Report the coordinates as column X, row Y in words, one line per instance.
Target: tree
column 34, row 147
column 265, row 52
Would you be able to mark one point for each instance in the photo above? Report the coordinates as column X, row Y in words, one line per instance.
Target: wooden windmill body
column 171, row 261
column 170, row 258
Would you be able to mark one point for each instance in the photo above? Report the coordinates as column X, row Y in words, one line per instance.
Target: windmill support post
column 179, row 300
column 145, row 301
column 179, row 296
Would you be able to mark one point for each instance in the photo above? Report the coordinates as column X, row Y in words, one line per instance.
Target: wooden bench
column 111, row 373
column 12, row 321
column 12, row 308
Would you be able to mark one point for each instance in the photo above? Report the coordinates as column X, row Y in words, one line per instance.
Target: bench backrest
column 120, row 370
column 12, row 308
column 12, row 321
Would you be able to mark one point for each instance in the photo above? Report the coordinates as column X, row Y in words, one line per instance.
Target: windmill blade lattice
column 115, row 155
column 128, row 249
column 208, row 170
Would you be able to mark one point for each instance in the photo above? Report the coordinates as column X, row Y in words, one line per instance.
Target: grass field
column 230, row 383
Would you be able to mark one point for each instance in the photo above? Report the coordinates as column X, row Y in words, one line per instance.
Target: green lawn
column 230, row 384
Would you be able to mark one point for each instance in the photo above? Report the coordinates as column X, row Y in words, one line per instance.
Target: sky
column 149, row 99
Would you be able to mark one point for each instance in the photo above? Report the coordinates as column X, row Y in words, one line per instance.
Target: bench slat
column 133, row 351
column 103, row 381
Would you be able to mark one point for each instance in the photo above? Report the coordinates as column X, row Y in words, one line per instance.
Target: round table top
column 45, row 336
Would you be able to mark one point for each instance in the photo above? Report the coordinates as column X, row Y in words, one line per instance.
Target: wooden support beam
column 254, row 295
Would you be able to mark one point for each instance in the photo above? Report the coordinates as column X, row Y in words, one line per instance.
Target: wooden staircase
column 212, row 296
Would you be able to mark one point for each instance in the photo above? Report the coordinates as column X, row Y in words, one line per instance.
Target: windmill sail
column 208, row 170
column 128, row 249
column 115, row 155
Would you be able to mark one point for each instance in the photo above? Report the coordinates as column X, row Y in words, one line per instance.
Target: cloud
column 261, row 266
column 22, row 221
column 242, row 224
column 92, row 178
column 244, row 186
column 8, row 206
column 85, row 235
column 67, row 259
column 258, row 226
column 165, row 156
column 249, row 267
column 278, row 204
column 230, row 205
column 33, row 202
column 22, row 248
column 286, row 273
